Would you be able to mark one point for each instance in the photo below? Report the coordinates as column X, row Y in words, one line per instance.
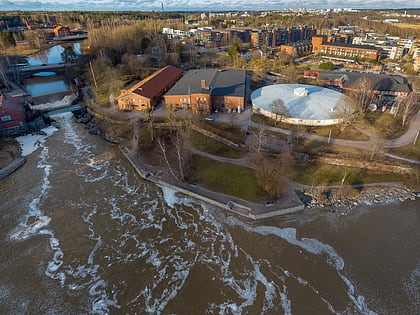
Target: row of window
column 6, row 118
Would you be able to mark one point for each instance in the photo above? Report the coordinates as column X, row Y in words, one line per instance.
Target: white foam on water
column 35, row 214
column 31, row 142
column 57, row 260
column 26, row 230
column 169, row 196
column 66, row 101
column 315, row 247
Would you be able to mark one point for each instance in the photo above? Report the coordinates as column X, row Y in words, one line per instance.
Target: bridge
column 61, row 110
column 29, row 71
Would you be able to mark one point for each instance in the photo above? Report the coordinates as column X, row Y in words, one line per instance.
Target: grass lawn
column 329, row 175
column 348, row 132
column 318, row 146
column 384, row 124
column 229, row 132
column 212, row 146
column 228, row 179
column 411, row 151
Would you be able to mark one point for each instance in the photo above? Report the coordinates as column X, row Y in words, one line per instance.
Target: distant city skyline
column 200, row 5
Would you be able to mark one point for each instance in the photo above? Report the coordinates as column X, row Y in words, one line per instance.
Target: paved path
column 244, row 119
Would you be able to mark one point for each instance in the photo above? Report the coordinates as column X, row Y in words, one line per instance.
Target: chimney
column 203, row 84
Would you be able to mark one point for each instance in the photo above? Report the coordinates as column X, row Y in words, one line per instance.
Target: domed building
column 301, row 104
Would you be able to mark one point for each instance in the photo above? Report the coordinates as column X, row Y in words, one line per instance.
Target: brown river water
column 81, row 233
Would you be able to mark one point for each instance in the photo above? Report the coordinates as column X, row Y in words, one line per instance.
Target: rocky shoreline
column 348, row 197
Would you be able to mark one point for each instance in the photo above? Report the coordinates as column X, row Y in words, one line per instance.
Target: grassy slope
column 228, row 179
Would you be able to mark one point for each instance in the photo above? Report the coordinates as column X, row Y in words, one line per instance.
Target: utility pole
column 93, row 74
column 415, row 139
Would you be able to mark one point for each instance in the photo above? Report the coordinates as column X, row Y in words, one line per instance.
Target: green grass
column 228, row 179
column 209, row 145
column 411, row 151
column 330, row 175
column 346, row 133
column 384, row 124
column 231, row 133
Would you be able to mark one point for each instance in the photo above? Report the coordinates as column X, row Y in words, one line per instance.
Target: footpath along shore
column 296, row 198
column 288, row 203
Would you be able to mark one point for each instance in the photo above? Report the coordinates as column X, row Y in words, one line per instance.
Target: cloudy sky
column 173, row 5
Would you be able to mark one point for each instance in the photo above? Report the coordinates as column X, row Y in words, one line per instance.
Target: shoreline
column 370, row 194
column 233, row 204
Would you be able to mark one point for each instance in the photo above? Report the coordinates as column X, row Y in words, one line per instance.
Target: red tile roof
column 155, row 83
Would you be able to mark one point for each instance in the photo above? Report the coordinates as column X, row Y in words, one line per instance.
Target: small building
column 61, row 31
column 207, row 90
column 146, row 93
column 12, row 115
column 387, row 86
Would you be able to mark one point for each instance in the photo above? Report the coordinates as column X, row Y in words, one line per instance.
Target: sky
column 215, row 5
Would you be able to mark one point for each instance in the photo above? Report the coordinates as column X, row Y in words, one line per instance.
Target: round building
column 301, row 104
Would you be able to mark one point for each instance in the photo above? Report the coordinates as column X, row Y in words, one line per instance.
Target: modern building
column 12, row 115
column 146, row 93
column 61, row 31
column 207, row 90
column 321, row 46
column 387, row 86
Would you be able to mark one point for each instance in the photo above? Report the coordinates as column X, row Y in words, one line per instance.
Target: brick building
column 297, row 49
column 387, row 86
column 207, row 90
column 12, row 115
column 146, row 93
column 321, row 46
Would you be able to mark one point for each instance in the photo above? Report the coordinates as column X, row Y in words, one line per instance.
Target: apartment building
column 321, row 46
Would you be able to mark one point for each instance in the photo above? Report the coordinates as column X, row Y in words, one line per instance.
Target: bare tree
column 163, row 150
column 180, row 141
column 278, row 108
column 407, row 107
column 272, row 172
column 344, row 109
column 362, row 95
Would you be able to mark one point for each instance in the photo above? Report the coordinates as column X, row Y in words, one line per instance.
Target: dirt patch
column 9, row 150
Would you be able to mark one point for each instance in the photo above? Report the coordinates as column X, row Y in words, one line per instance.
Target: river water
column 37, row 86
column 82, row 233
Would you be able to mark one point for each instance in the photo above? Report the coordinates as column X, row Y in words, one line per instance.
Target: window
column 6, row 118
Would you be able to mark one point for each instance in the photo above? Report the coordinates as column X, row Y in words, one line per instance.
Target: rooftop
column 381, row 82
column 351, row 46
column 154, row 83
column 218, row 82
column 318, row 104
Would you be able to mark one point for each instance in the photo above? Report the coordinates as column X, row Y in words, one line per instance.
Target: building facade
column 147, row 93
column 321, row 46
column 208, row 90
column 12, row 115
column 61, row 31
